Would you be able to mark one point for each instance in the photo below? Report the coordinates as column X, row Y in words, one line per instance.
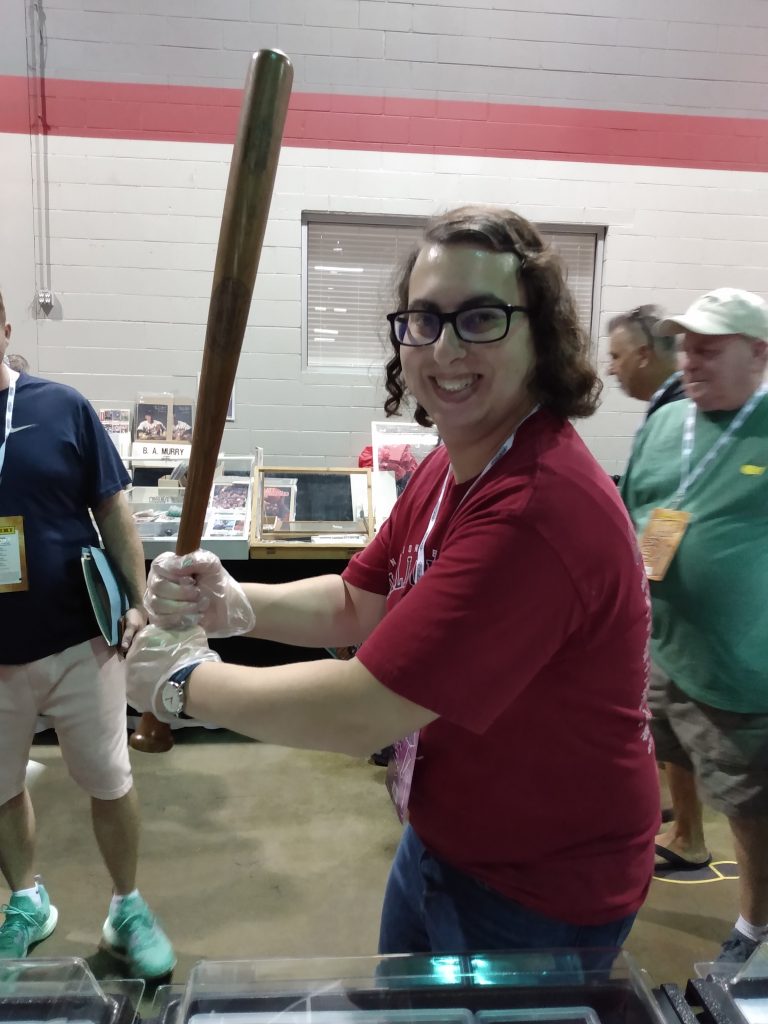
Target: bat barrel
column 244, row 220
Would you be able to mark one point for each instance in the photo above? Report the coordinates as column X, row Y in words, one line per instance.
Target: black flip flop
column 677, row 863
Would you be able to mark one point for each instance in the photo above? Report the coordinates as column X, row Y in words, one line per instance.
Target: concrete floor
column 251, row 851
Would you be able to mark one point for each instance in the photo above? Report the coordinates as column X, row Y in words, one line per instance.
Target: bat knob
column 151, row 736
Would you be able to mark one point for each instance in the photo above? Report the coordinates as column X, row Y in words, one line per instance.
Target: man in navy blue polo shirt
column 57, row 466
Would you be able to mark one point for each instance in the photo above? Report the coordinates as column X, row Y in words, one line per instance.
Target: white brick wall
column 133, row 229
column 17, row 247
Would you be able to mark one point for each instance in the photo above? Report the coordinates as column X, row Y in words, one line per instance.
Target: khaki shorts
column 82, row 691
column 727, row 751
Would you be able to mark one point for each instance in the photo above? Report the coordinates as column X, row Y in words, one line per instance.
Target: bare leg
column 685, row 836
column 750, row 838
column 116, row 827
column 17, row 842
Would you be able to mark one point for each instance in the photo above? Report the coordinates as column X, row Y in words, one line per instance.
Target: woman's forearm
column 317, row 612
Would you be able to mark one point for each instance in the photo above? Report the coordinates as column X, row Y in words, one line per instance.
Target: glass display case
column 157, row 511
column 397, row 450
column 310, row 513
column 558, row 986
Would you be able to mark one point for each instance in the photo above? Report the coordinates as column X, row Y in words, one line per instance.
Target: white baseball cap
column 723, row 311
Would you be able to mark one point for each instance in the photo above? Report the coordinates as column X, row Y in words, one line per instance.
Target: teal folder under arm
column 108, row 597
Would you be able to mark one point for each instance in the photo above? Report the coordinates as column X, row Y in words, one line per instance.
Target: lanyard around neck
column 8, row 415
column 688, row 476
column 672, row 378
column 420, row 558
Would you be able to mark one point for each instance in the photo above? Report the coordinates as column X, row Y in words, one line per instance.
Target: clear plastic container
column 398, row 448
column 562, row 986
column 64, row 991
column 736, row 991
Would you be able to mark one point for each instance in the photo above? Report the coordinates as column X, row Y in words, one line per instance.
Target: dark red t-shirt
column 528, row 636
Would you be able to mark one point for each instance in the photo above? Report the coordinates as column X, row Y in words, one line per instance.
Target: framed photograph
column 279, row 500
column 117, row 423
column 182, row 420
column 153, row 418
column 230, row 497
column 220, row 525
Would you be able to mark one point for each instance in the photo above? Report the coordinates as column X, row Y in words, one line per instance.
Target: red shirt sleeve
column 494, row 608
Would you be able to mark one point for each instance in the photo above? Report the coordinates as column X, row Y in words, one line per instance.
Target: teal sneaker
column 133, row 935
column 26, row 924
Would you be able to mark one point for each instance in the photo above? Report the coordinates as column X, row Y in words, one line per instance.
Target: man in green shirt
column 697, row 489
column 644, row 365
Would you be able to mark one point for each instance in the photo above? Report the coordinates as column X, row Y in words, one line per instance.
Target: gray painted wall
column 676, row 56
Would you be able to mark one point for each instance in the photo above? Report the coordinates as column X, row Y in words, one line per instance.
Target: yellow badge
column 661, row 538
column 13, row 558
column 749, row 470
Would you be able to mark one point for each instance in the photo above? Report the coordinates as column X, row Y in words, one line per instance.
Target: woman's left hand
column 153, row 658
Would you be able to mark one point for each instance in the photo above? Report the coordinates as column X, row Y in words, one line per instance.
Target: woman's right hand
column 196, row 590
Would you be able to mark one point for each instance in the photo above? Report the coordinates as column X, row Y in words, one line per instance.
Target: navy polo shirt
column 59, row 464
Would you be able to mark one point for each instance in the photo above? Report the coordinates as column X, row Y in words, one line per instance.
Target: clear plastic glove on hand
column 154, row 656
column 196, row 590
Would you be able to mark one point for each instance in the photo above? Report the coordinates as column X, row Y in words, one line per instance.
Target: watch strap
column 180, row 677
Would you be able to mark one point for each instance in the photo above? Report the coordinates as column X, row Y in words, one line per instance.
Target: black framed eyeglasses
column 476, row 325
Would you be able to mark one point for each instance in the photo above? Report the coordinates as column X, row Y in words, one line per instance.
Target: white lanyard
column 688, row 476
column 419, row 571
column 673, row 377
column 8, row 415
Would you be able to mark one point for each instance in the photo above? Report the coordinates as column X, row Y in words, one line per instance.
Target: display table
column 298, row 551
column 278, row 513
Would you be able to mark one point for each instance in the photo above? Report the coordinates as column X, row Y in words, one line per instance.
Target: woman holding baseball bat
column 503, row 616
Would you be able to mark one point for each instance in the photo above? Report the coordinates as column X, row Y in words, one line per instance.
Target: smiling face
column 475, row 394
column 721, row 371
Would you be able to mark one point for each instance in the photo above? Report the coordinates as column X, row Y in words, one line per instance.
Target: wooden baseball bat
column 246, row 207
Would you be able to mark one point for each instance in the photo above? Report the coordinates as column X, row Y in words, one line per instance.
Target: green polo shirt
column 710, row 612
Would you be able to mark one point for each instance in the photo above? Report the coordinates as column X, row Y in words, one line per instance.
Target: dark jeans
column 430, row 907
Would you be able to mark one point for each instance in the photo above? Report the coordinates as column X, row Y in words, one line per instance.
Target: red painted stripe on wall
column 320, row 120
column 14, row 104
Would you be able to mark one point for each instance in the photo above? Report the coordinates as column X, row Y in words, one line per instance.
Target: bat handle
column 152, row 736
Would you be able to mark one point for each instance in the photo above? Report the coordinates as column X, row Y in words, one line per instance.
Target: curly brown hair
column 564, row 379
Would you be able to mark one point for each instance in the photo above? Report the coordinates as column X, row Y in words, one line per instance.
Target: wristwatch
column 174, row 692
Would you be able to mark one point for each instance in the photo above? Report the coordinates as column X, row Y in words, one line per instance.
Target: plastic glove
column 154, row 656
column 196, row 590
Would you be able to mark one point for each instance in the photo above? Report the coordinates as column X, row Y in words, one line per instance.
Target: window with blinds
column 350, row 270
column 577, row 248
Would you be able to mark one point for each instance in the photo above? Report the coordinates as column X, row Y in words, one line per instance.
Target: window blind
column 351, row 269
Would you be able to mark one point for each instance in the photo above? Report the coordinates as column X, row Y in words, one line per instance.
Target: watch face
column 172, row 698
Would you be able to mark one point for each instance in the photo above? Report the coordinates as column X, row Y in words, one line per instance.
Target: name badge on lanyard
column 660, row 540
column 13, row 558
